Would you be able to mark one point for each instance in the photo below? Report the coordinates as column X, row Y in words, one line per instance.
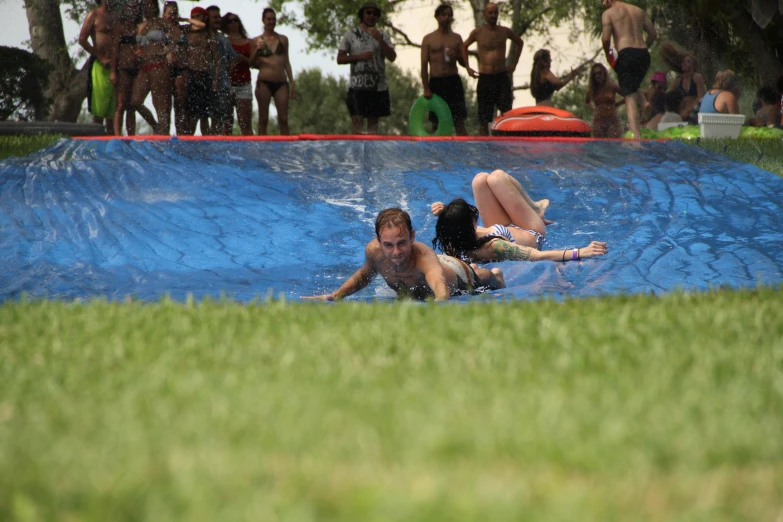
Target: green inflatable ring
column 435, row 104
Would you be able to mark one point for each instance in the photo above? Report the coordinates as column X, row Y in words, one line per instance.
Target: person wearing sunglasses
column 366, row 49
column 514, row 226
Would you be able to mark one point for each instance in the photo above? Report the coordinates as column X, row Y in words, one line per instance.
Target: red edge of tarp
column 352, row 137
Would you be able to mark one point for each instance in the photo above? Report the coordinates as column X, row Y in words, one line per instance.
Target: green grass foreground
column 619, row 408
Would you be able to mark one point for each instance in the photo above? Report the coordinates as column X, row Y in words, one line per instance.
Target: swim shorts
column 199, row 94
column 631, row 68
column 466, row 276
column 450, row 89
column 368, row 104
column 102, row 99
column 494, row 90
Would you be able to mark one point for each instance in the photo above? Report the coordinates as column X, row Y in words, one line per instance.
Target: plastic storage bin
column 720, row 125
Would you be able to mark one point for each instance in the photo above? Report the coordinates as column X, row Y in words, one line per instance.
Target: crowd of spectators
column 199, row 66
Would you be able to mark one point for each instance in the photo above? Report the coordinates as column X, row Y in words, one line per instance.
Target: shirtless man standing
column 410, row 268
column 626, row 24
column 494, row 86
column 441, row 50
column 96, row 38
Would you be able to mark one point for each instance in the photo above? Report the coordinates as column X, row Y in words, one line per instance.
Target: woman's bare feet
column 543, row 205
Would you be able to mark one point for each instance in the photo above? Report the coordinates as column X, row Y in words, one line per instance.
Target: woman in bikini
column 514, row 227
column 543, row 82
column 274, row 73
column 125, row 67
column 241, row 89
column 154, row 44
column 601, row 97
column 178, row 62
column 689, row 82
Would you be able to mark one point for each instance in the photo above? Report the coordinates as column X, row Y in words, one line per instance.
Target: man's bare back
column 628, row 24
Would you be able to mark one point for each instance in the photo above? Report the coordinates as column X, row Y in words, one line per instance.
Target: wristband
column 564, row 253
column 575, row 254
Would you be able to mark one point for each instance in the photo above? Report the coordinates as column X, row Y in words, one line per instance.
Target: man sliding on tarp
column 413, row 269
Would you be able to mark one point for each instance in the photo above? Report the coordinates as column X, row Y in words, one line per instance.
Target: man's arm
column 425, row 61
column 84, row 35
column 606, row 36
column 465, row 45
column 360, row 279
column 520, row 44
column 430, row 265
column 649, row 28
column 460, row 56
column 344, row 58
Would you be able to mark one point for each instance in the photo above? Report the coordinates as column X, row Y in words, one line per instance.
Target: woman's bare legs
column 501, row 200
column 180, row 89
column 245, row 116
column 491, row 278
column 160, row 84
column 263, row 96
column 281, row 104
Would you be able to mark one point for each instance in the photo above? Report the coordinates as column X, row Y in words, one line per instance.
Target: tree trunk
column 67, row 86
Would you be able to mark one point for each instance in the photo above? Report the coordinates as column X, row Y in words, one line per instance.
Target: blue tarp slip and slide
column 249, row 219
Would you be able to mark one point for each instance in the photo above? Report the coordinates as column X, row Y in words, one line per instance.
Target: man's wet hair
column 442, row 7
column 392, row 217
column 213, row 8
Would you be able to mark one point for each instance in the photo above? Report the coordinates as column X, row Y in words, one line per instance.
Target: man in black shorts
column 441, row 50
column 494, row 86
column 366, row 49
column 626, row 24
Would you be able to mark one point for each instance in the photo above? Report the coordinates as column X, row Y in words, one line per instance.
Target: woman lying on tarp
column 514, row 225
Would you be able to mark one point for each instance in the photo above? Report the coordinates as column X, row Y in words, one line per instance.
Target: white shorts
column 242, row 91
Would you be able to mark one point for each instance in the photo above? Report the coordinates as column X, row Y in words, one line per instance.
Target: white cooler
column 715, row 125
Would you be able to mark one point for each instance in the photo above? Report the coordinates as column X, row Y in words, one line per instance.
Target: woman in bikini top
column 543, row 82
column 601, row 96
column 458, row 234
column 154, row 44
column 275, row 77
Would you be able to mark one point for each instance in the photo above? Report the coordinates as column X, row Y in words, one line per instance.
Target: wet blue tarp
column 252, row 219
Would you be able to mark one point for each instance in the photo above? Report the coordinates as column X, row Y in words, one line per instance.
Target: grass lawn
column 621, row 408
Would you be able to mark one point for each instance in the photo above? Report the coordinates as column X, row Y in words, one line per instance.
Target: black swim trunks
column 368, row 104
column 199, row 94
column 631, row 68
column 493, row 91
column 450, row 89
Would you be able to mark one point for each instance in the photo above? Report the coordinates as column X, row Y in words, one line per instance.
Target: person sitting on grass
column 768, row 112
column 410, row 268
column 514, row 225
column 673, row 102
column 724, row 95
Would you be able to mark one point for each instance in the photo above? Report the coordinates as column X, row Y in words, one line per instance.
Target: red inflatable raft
column 539, row 121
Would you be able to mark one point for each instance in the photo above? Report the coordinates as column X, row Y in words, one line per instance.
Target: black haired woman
column 514, row 227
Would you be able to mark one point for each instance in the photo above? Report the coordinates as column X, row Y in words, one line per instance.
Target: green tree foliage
column 23, row 80
column 320, row 107
column 722, row 34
